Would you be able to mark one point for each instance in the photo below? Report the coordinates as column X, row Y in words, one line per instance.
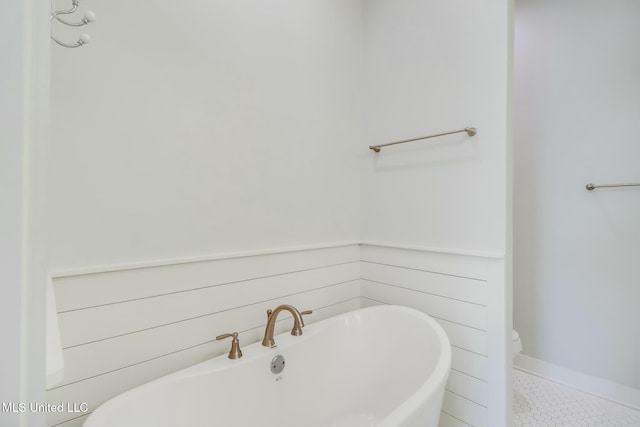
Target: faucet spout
column 298, row 323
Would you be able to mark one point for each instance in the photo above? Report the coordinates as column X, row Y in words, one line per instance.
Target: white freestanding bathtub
column 383, row 366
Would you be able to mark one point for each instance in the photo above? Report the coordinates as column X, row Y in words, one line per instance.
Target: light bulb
column 84, row 39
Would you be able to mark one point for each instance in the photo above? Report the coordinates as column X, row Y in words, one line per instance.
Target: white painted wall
column 216, row 132
column 432, row 67
column 207, row 128
column 238, row 129
column 11, row 243
column 24, row 107
column 576, row 254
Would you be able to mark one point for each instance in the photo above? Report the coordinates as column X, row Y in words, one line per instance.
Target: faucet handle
column 304, row 313
column 235, row 352
column 297, row 327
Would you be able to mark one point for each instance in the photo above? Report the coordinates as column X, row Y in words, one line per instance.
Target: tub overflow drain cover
column 277, row 364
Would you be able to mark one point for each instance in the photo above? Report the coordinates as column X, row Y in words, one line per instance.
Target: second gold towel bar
column 470, row 131
column 591, row 187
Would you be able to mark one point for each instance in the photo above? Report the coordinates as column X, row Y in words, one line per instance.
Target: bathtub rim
column 405, row 411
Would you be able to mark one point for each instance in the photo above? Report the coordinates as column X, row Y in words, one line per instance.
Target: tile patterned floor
column 538, row 402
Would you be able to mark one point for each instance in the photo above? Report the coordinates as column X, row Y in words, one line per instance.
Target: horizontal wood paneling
column 445, row 263
column 453, row 289
column 468, row 387
column 463, row 337
column 121, row 329
column 460, row 336
column 96, row 323
column 88, row 290
column 465, row 410
column 74, row 422
column 96, row 390
column 456, row 311
column 367, row 302
column 469, row 362
column 446, row 285
column 447, row 420
column 125, row 350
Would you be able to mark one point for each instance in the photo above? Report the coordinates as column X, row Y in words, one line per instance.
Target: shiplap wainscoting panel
column 125, row 327
column 454, row 289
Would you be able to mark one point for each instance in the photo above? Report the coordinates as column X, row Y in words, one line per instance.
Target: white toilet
column 517, row 344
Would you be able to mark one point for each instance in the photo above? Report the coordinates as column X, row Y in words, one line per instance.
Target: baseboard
column 606, row 389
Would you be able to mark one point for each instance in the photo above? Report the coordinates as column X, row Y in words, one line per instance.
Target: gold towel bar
column 593, row 186
column 470, row 131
